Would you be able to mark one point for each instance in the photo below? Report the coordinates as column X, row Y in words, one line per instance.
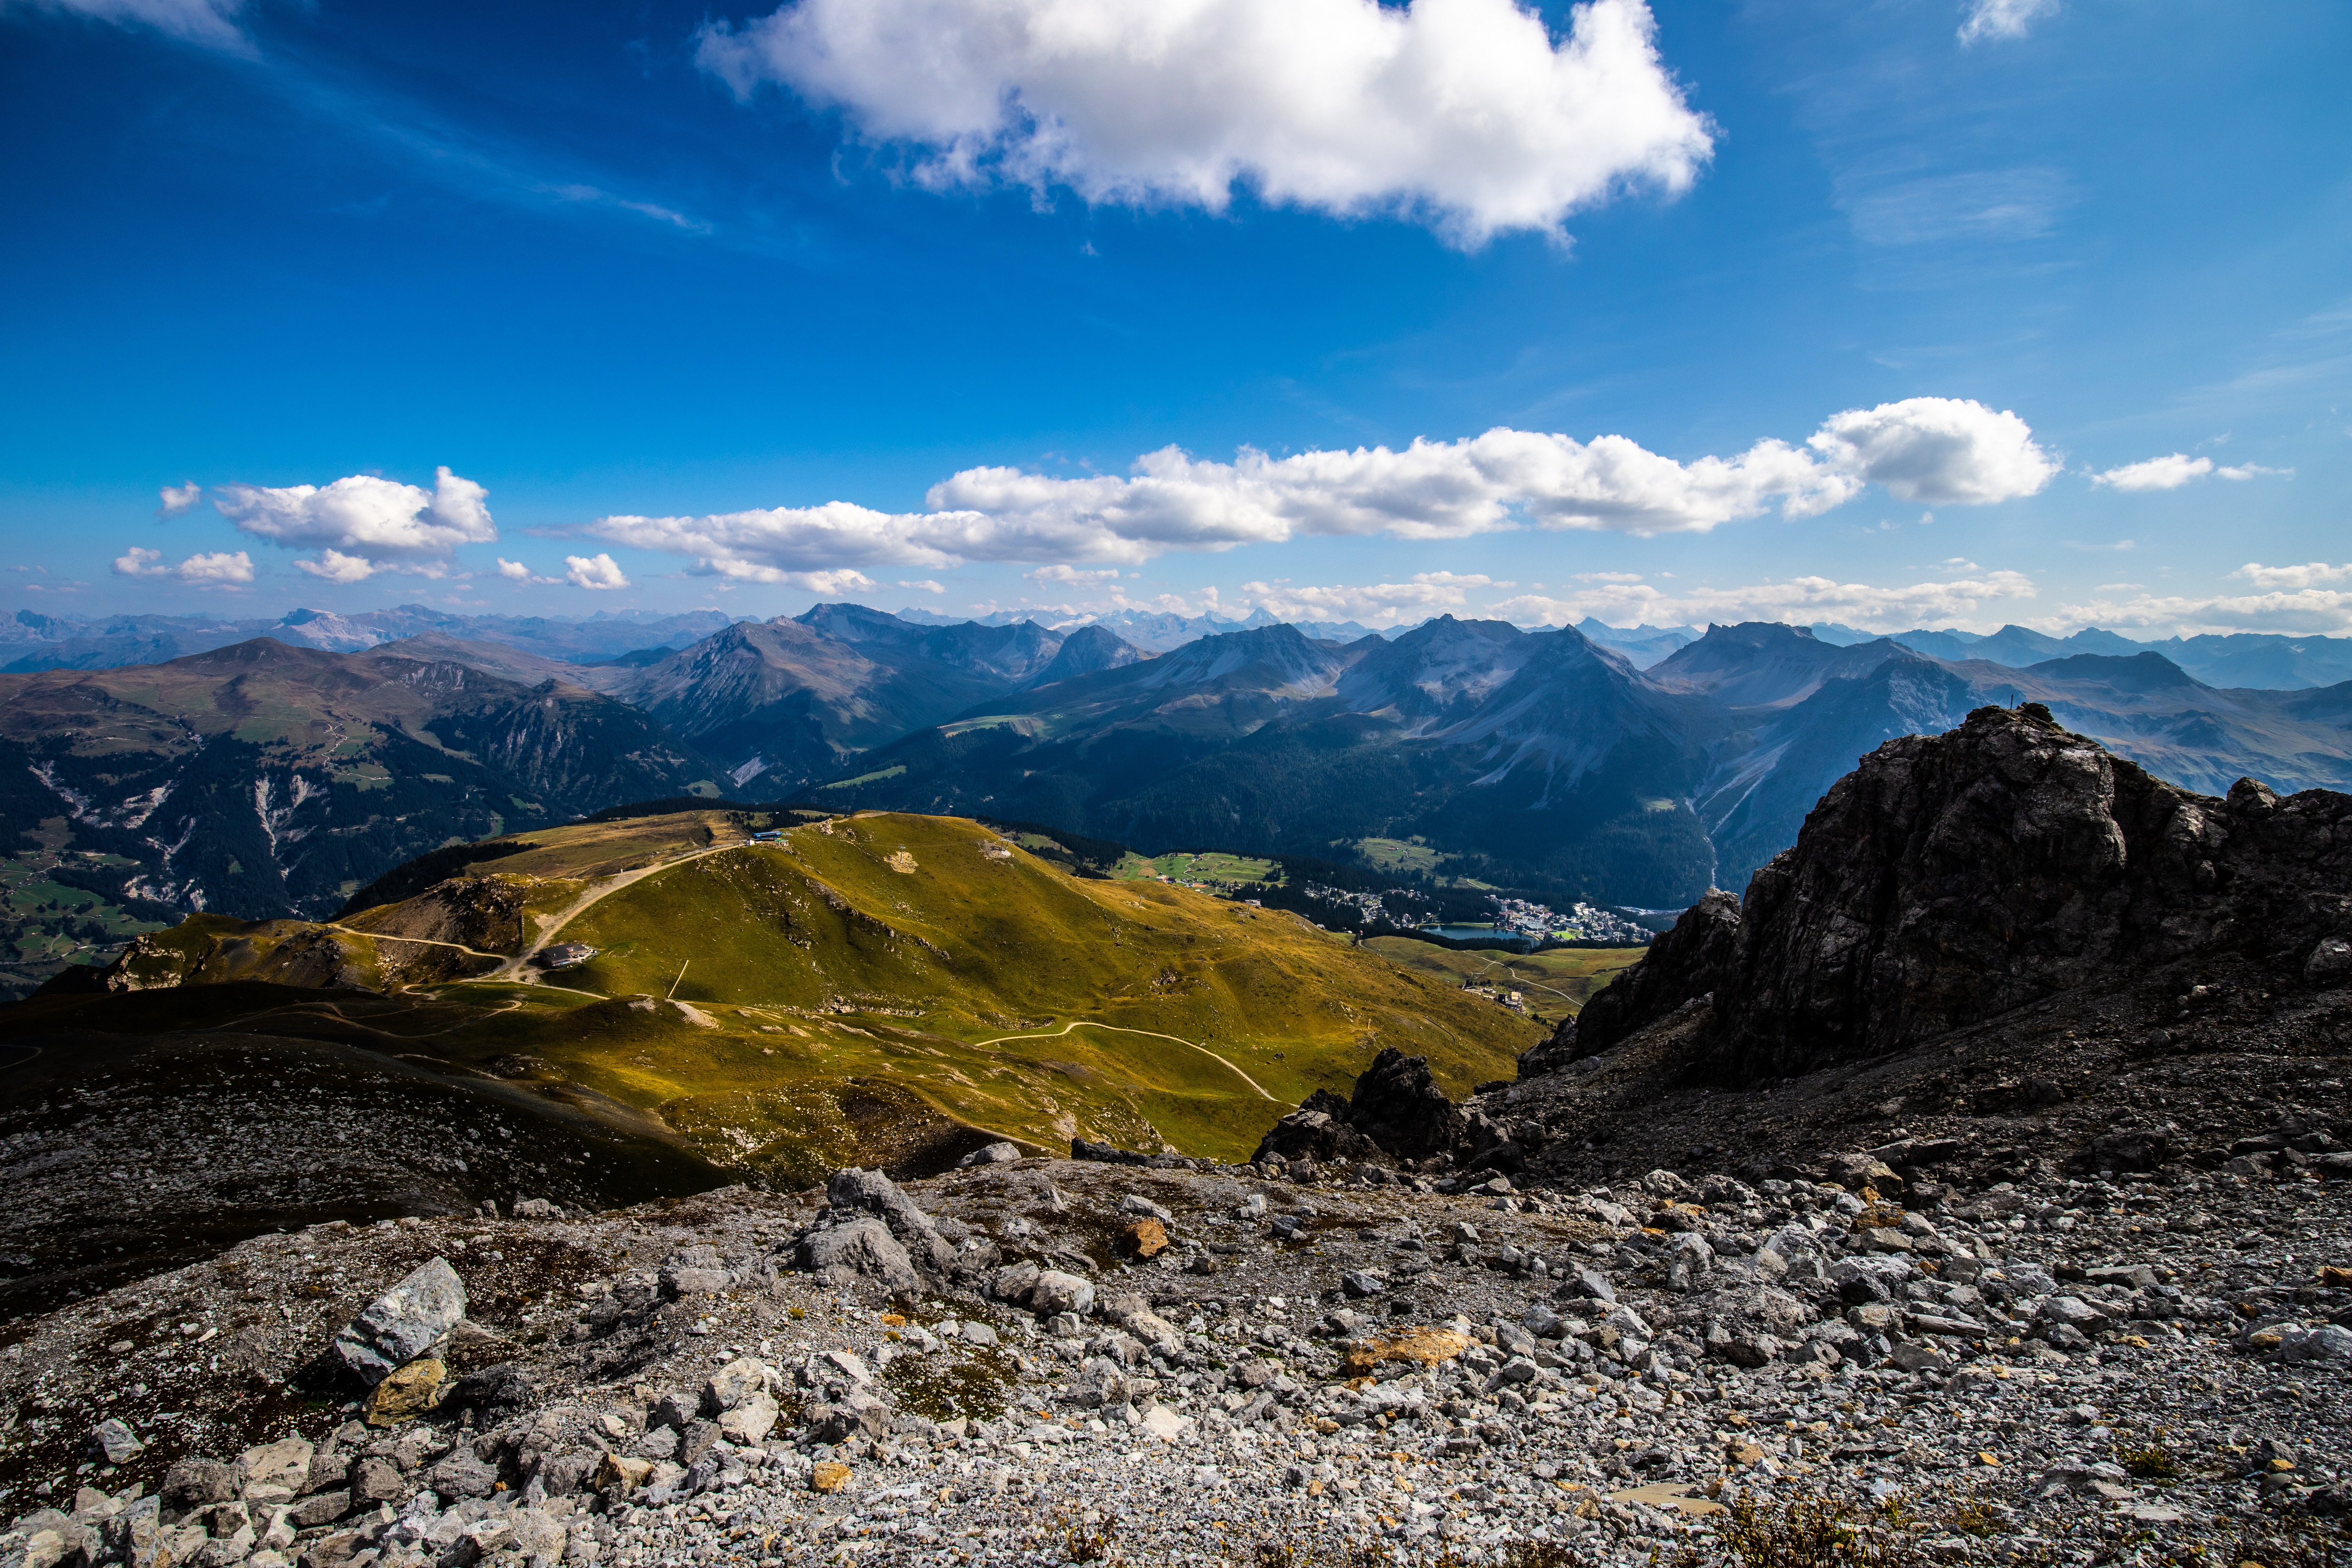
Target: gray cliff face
column 1681, row 966
column 1950, row 878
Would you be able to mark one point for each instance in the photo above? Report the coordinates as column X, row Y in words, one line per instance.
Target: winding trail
column 1122, row 1028
column 425, row 941
column 513, row 970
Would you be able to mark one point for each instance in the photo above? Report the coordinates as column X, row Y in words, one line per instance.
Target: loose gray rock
column 403, row 1323
column 114, row 1442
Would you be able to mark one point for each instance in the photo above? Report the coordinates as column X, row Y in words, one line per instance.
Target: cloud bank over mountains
column 1933, row 449
column 1467, row 113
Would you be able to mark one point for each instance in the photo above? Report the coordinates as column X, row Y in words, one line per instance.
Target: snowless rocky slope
column 2066, row 1282
column 2077, row 1368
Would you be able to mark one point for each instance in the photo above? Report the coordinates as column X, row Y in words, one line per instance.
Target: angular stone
column 114, row 1442
column 403, row 1323
column 623, row 1473
column 858, row 1249
column 461, row 1473
column 736, row 1382
column 407, row 1393
column 1144, row 1238
column 277, row 1472
column 828, row 1476
column 1587, row 1284
column 376, row 1479
column 319, row 1509
column 749, row 1421
column 1055, row 1292
column 196, row 1483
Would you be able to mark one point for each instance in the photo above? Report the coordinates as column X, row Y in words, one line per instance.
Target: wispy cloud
column 2175, row 469
column 211, row 23
column 1798, row 600
column 1988, row 19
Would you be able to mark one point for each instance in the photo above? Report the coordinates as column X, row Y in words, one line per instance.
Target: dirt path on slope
column 1121, row 1028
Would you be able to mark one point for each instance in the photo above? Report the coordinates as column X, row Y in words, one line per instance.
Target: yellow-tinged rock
column 408, row 1393
column 1743, row 1453
column 2331, row 1274
column 1144, row 1238
column 1671, row 1496
column 1988, row 1458
column 1426, row 1346
column 622, row 1472
column 828, row 1476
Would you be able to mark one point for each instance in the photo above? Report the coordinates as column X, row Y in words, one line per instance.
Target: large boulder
column 403, row 1323
column 1316, row 1131
column 857, row 1250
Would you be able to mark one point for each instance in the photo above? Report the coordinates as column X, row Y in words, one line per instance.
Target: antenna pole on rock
column 673, row 984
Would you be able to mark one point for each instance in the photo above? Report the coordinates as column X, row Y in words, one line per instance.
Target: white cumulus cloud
column 334, row 566
column 177, row 498
column 1468, row 112
column 1940, row 449
column 924, row 583
column 212, row 22
column 1797, row 600
column 364, row 524
column 599, row 570
column 211, row 569
column 2002, row 18
column 517, row 571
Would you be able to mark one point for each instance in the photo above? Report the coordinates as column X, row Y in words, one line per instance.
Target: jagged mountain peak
column 1950, row 878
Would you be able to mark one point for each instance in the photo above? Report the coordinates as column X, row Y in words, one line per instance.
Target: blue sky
column 2043, row 309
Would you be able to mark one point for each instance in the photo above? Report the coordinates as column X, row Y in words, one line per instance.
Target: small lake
column 1480, row 934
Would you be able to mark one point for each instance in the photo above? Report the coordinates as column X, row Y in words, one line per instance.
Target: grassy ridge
column 880, row 989
column 984, row 979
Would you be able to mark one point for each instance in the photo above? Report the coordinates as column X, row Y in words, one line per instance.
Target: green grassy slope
column 879, row 988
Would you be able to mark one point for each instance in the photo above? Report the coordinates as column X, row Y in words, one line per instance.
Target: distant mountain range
column 1541, row 760
column 30, row 642
column 263, row 779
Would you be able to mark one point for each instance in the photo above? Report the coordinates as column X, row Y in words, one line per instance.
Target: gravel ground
column 2135, row 1368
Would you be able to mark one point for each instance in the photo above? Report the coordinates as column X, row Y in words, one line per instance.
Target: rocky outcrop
column 1952, row 878
column 1397, row 1112
column 870, row 1233
column 1681, row 967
